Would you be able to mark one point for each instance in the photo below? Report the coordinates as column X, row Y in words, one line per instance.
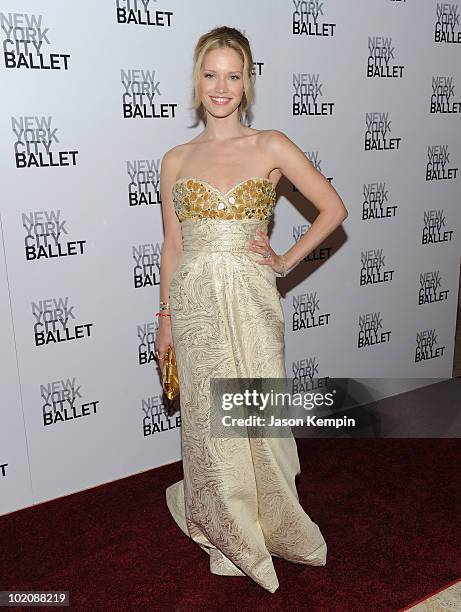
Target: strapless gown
column 238, row 499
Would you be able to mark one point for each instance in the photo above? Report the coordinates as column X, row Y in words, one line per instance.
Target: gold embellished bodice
column 195, row 198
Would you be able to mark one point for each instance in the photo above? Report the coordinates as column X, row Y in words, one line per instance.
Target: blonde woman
column 221, row 311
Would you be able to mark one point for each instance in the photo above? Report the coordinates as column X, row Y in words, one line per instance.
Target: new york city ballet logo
column 306, row 375
column 434, row 228
column 321, row 253
column 146, row 342
column 36, row 143
column 146, row 269
column 257, row 69
column 427, row 346
column 447, row 24
column 442, row 97
column 307, row 19
column 378, row 133
column 373, row 269
column 438, row 164
column 63, row 401
column 25, row 43
column 370, row 330
column 375, row 204
column 142, row 96
column 142, row 12
column 381, row 60
column 430, row 288
column 47, row 236
column 314, row 158
column 143, row 181
column 55, row 321
column 306, row 312
column 308, row 97
column 155, row 419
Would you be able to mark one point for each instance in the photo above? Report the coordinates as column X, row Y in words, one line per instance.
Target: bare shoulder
column 174, row 158
column 274, row 138
column 277, row 148
column 173, row 154
column 171, row 161
column 276, row 143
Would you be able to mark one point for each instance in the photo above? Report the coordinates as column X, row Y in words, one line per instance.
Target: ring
column 266, row 254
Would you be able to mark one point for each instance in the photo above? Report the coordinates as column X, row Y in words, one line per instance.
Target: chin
column 221, row 110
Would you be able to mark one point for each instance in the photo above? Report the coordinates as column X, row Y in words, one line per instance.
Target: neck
column 223, row 128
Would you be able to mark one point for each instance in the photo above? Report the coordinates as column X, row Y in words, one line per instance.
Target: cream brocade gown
column 238, row 499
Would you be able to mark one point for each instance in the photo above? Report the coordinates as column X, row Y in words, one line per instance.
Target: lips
column 219, row 100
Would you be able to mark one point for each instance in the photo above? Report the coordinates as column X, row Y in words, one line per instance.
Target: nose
column 221, row 84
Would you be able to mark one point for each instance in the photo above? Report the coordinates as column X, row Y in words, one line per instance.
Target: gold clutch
column 170, row 378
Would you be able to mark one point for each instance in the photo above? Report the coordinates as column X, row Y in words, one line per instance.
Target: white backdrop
column 79, row 274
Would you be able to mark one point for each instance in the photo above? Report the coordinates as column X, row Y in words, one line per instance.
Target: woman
column 221, row 311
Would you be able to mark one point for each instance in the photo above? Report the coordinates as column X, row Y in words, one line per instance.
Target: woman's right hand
column 163, row 340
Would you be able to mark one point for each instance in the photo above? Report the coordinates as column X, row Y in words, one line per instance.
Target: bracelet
column 162, row 314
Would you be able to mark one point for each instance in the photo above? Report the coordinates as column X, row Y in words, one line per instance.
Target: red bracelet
column 162, row 314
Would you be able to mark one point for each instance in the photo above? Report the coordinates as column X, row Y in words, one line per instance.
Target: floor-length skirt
column 238, row 499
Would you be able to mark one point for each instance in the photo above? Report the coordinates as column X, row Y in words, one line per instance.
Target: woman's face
column 221, row 82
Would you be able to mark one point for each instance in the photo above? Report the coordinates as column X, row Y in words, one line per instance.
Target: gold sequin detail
column 250, row 199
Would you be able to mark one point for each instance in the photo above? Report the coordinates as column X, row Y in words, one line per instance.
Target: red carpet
column 389, row 510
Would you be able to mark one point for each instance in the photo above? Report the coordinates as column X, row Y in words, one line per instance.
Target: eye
column 236, row 76
column 208, row 74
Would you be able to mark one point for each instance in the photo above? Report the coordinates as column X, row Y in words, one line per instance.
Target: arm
column 292, row 162
column 172, row 242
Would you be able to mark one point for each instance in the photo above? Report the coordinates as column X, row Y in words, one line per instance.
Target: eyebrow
column 231, row 72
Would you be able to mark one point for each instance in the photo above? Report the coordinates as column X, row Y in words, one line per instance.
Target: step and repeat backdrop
column 94, row 93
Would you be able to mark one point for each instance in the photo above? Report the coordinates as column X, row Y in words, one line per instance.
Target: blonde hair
column 219, row 38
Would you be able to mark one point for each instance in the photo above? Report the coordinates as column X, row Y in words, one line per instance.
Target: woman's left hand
column 263, row 246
